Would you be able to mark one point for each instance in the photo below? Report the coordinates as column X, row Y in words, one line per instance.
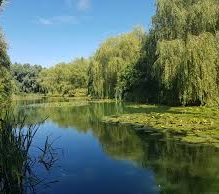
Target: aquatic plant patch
column 192, row 124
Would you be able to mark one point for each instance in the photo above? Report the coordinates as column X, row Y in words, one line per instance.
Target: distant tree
column 26, row 77
column 65, row 78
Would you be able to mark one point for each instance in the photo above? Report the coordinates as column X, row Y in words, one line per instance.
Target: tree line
column 62, row 79
column 175, row 63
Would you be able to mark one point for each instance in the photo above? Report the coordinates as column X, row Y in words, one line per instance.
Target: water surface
column 102, row 158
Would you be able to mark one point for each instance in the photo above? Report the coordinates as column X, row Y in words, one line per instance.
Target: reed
column 16, row 163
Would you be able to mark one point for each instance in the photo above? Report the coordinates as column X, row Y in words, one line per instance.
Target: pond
column 101, row 158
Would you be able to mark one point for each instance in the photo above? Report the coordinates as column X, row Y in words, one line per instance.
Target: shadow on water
column 178, row 167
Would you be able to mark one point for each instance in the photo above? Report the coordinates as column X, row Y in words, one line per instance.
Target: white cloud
column 63, row 19
column 44, row 21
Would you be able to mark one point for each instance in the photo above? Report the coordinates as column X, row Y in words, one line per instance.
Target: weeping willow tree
column 111, row 60
column 167, row 67
column 176, row 63
column 187, row 52
column 5, row 78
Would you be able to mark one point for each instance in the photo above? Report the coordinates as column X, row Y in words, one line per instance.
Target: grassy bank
column 42, row 96
column 25, row 96
column 78, row 94
column 53, row 100
column 190, row 124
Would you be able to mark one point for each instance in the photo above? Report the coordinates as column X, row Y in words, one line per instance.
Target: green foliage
column 178, row 18
column 170, row 19
column 200, row 74
column 187, row 51
column 112, row 61
column 26, row 78
column 65, row 79
column 168, row 66
column 176, row 63
column 5, row 77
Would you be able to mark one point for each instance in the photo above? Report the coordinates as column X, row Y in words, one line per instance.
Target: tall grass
column 16, row 163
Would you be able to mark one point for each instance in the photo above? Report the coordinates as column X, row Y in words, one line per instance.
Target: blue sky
column 47, row 32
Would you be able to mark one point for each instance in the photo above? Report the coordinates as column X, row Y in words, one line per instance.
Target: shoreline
column 197, row 125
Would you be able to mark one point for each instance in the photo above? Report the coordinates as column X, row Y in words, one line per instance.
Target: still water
column 99, row 158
